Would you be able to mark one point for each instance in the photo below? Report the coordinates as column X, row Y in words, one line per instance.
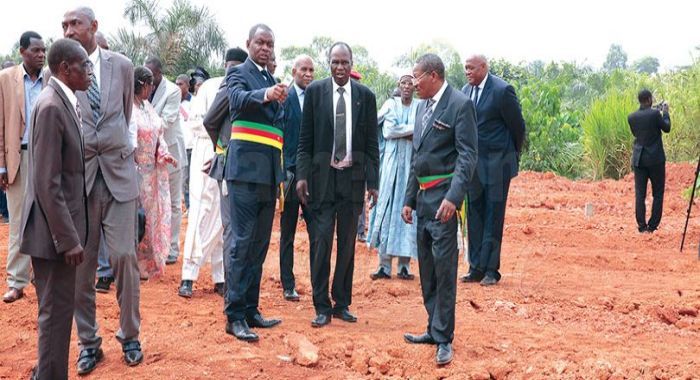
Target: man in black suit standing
column 337, row 157
column 253, row 172
column 443, row 162
column 501, row 130
column 303, row 73
column 648, row 158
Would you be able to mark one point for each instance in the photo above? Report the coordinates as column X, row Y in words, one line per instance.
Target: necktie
column 77, row 113
column 475, row 92
column 340, row 148
column 428, row 113
column 93, row 95
column 264, row 74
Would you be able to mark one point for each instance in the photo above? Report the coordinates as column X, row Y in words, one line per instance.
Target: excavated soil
column 582, row 297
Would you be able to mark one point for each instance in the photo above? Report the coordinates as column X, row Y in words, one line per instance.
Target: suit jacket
column 217, row 123
column 13, row 118
column 646, row 125
column 166, row 102
column 316, row 141
column 449, row 145
column 54, row 213
column 107, row 145
column 501, row 130
column 248, row 161
column 292, row 123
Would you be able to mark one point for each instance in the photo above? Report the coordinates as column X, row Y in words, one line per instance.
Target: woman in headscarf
column 388, row 233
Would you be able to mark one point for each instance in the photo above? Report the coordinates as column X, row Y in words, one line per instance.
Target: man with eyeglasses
column 443, row 163
column 338, row 157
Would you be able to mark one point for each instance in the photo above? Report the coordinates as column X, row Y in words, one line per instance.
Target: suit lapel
column 328, row 100
column 105, row 83
column 19, row 92
column 355, row 99
column 440, row 108
column 69, row 106
column 485, row 94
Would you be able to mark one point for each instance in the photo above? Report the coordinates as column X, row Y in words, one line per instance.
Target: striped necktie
column 93, row 95
column 427, row 115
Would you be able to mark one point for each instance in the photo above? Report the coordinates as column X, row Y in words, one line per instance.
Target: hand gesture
column 74, row 256
column 303, row 191
column 277, row 92
column 446, row 211
column 407, row 215
column 373, row 195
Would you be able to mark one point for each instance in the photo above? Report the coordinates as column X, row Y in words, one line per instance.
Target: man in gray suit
column 443, row 162
column 54, row 225
column 166, row 101
column 112, row 188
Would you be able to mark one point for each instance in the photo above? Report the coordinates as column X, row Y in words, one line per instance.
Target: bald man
column 112, row 190
column 303, row 73
column 501, row 131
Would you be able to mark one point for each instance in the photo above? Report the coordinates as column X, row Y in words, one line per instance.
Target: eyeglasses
column 416, row 80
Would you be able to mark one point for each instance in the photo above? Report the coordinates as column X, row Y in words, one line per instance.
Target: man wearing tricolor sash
column 443, row 162
column 253, row 172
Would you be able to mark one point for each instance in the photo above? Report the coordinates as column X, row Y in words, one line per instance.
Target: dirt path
column 581, row 298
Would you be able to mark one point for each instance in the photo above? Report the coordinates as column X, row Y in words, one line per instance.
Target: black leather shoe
column 258, row 321
column 642, row 229
column 240, row 330
column 33, row 375
column 88, row 359
column 291, row 295
column 220, row 288
column 419, row 339
column 379, row 274
column 345, row 315
column 488, row 281
column 321, row 320
column 472, row 276
column 444, row 354
column 404, row 275
column 185, row 289
column 132, row 353
column 103, row 284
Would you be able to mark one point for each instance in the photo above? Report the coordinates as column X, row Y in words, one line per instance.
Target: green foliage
column 183, row 36
column 646, row 65
column 454, row 66
column 607, row 140
column 616, row 59
column 681, row 90
column 552, row 135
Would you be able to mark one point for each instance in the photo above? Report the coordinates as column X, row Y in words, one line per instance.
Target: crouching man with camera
column 648, row 158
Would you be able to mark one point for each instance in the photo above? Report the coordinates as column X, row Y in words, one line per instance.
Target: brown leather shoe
column 12, row 295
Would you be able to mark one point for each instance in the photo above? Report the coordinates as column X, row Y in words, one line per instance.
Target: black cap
column 236, row 54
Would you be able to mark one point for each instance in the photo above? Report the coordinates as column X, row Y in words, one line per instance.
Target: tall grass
column 682, row 92
column 607, row 140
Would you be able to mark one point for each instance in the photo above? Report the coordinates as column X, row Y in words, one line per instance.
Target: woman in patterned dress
column 151, row 159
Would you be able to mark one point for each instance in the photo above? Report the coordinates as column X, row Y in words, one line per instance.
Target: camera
column 661, row 106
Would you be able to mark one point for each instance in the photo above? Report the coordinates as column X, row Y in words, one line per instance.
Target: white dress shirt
column 481, row 90
column 95, row 59
column 347, row 95
column 300, row 95
column 69, row 94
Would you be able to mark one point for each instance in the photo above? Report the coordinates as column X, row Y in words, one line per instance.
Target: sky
column 518, row 31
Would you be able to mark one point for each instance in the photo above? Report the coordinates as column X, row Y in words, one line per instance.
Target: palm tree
column 182, row 36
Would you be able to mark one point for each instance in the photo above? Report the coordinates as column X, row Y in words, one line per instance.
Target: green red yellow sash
column 433, row 180
column 257, row 133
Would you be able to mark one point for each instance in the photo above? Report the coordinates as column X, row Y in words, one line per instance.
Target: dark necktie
column 340, row 122
column 428, row 113
column 475, row 92
column 93, row 95
column 265, row 75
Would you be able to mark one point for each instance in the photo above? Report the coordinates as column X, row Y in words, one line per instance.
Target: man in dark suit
column 54, row 225
column 649, row 158
column 303, row 73
column 501, row 131
column 253, row 172
column 338, row 157
column 112, row 188
column 443, row 163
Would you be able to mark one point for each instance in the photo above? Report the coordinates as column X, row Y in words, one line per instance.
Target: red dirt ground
column 581, row 298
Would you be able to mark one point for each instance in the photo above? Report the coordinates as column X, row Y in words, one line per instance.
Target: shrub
column 607, row 140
